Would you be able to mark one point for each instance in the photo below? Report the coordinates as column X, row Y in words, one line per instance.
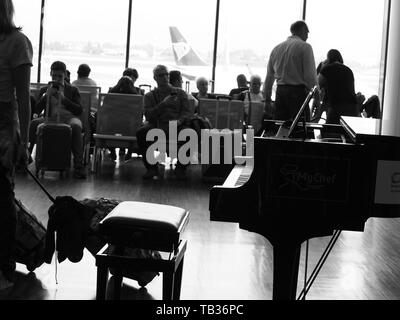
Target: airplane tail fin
column 183, row 53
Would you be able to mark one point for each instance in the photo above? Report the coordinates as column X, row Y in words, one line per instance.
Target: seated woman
column 202, row 86
column 125, row 85
column 337, row 81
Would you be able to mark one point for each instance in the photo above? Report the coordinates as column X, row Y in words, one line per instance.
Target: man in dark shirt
column 162, row 105
column 65, row 107
column 242, row 86
column 337, row 80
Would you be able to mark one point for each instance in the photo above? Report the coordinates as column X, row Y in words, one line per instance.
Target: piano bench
column 146, row 226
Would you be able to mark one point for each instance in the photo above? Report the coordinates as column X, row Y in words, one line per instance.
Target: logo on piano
column 303, row 180
column 387, row 187
column 395, row 186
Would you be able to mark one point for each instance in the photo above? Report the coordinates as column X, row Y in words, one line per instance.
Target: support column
column 391, row 106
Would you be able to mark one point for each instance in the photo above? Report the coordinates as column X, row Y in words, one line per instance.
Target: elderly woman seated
column 202, row 86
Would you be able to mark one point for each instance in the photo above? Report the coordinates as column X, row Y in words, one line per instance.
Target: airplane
column 187, row 61
column 192, row 66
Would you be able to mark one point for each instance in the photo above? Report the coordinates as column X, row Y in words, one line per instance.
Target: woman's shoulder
column 18, row 36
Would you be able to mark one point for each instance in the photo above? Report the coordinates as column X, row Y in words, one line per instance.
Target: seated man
column 162, row 105
column 252, row 95
column 83, row 77
column 67, row 111
column 242, row 86
column 175, row 79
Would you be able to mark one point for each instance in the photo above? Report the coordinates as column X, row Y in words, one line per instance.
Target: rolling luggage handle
column 55, row 233
column 40, row 185
column 47, row 111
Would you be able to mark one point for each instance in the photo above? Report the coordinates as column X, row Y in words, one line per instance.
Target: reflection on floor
column 222, row 261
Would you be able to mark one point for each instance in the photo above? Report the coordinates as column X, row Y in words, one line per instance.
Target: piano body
column 325, row 178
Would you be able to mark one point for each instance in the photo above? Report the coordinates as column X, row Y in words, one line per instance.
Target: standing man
column 292, row 65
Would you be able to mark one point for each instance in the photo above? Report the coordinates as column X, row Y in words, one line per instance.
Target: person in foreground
column 15, row 67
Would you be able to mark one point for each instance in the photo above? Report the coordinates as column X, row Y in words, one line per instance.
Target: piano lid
column 370, row 130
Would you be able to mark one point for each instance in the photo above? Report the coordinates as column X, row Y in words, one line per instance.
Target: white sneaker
column 4, row 282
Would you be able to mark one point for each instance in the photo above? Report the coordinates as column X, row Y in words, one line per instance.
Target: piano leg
column 286, row 267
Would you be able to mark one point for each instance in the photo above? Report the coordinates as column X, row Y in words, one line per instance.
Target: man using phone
column 64, row 103
column 162, row 105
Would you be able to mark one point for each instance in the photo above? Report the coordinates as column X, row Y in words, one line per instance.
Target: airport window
column 90, row 31
column 355, row 29
column 95, row 32
column 155, row 25
column 27, row 16
column 247, row 34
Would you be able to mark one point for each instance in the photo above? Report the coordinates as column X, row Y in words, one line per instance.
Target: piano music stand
column 299, row 114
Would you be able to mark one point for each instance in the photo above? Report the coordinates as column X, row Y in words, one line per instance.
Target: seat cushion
column 143, row 224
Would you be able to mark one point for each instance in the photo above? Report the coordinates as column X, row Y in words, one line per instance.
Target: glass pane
column 27, row 16
column 355, row 29
column 90, row 31
column 151, row 39
column 247, row 34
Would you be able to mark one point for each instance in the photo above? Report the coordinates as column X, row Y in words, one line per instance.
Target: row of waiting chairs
column 119, row 116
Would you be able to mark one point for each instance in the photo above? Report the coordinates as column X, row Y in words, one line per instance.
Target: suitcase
column 53, row 148
column 30, row 236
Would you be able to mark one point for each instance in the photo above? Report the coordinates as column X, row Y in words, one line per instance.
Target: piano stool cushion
column 144, row 225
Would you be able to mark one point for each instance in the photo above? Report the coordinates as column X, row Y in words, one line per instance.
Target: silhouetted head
column 83, row 71
column 202, row 85
column 300, row 29
column 7, row 17
column 67, row 76
column 125, row 85
column 255, row 84
column 131, row 72
column 58, row 71
column 161, row 75
column 334, row 55
column 175, row 78
column 241, row 81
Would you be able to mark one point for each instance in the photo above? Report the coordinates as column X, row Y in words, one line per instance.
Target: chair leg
column 101, row 287
column 178, row 282
column 168, row 285
column 117, row 286
column 87, row 153
column 94, row 160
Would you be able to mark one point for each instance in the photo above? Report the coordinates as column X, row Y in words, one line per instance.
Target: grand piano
column 321, row 179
